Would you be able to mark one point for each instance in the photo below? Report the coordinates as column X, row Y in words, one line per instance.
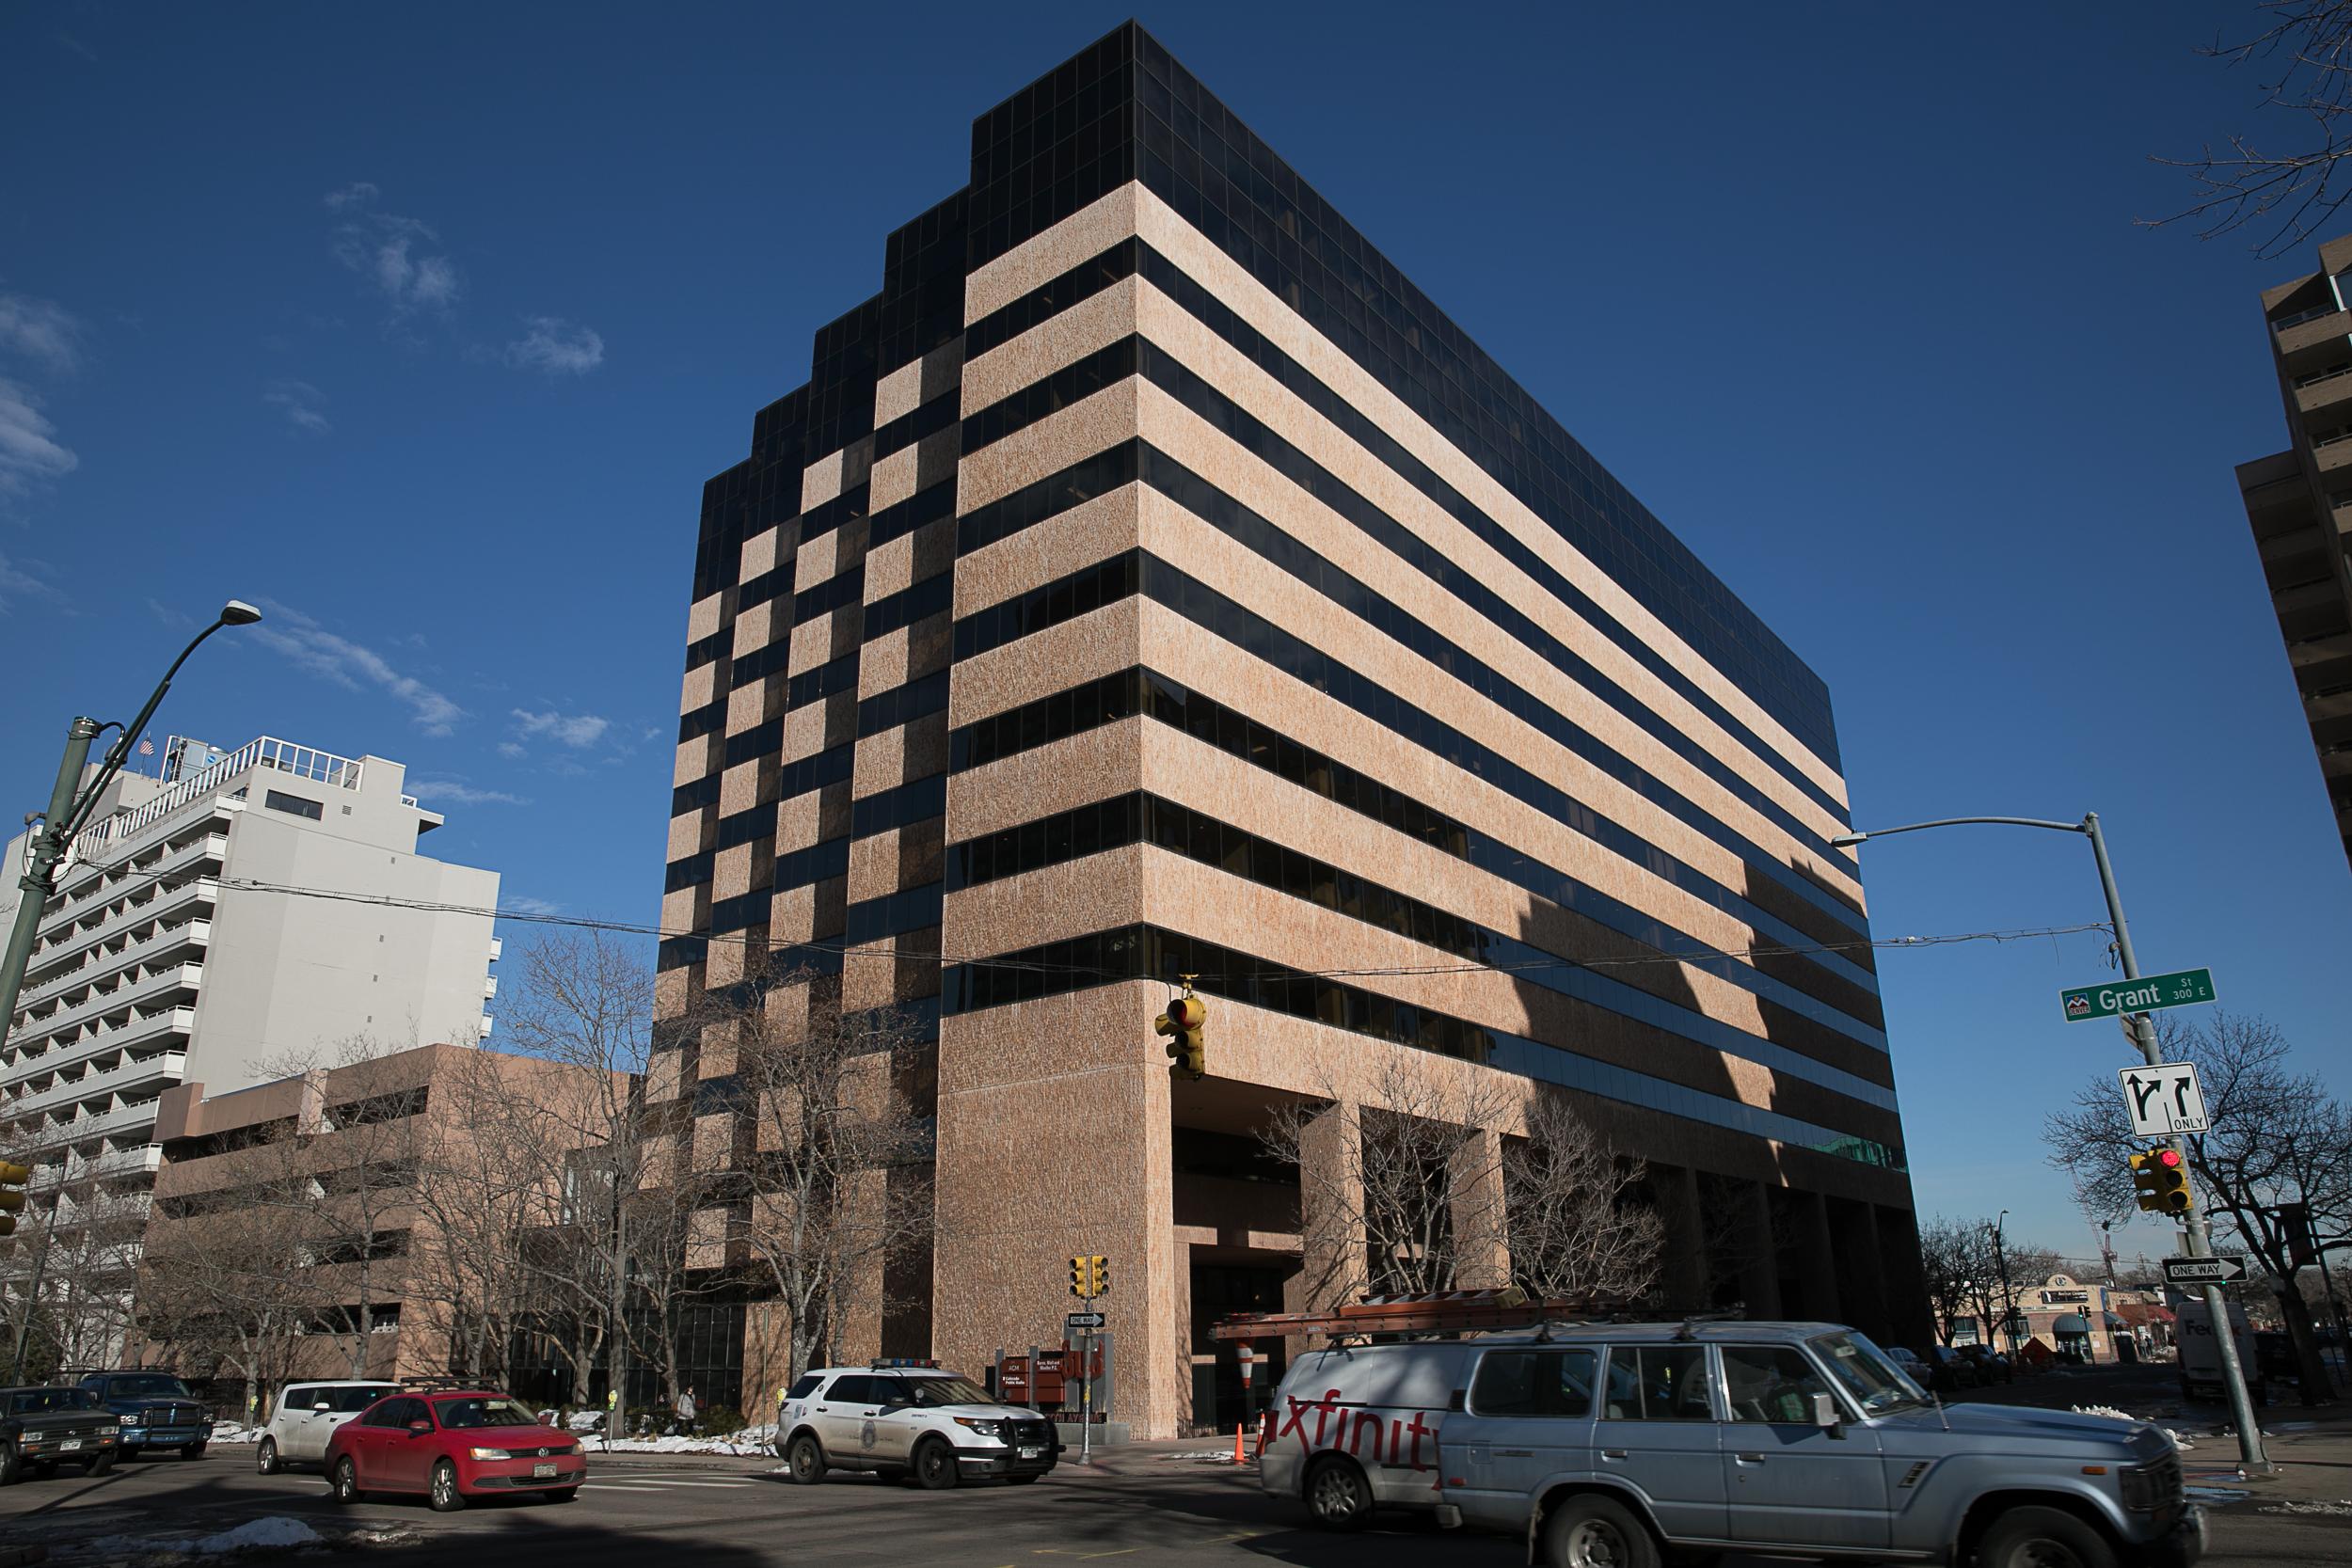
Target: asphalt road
column 736, row 1513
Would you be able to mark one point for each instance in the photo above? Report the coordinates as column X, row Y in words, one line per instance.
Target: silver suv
column 908, row 1418
column 1610, row 1446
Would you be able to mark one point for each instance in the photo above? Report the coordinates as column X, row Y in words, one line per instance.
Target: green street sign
column 2143, row 995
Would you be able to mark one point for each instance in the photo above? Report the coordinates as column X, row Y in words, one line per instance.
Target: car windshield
column 949, row 1390
column 33, row 1400
column 147, row 1386
column 481, row 1412
column 1876, row 1383
column 350, row 1402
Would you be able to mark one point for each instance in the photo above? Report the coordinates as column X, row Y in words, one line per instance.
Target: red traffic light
column 2168, row 1158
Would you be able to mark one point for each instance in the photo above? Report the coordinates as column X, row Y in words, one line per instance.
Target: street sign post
column 2145, row 995
column 2220, row 1269
column 1082, row 1320
column 2164, row 1100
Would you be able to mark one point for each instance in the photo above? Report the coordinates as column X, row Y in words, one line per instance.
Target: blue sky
column 424, row 326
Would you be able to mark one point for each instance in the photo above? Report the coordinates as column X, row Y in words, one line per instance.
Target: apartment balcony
column 151, row 986
column 2324, row 390
column 160, row 1071
column 79, row 1128
column 140, row 1159
column 22, row 1062
column 2316, row 331
column 119, row 881
column 2332, row 456
column 192, row 899
column 100, row 965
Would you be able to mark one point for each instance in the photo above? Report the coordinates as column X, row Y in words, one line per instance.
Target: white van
column 1355, row 1427
column 2200, row 1356
column 307, row 1416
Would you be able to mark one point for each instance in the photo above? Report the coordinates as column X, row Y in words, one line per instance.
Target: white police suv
column 903, row 1417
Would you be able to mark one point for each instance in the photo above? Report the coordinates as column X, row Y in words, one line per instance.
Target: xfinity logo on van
column 1351, row 1426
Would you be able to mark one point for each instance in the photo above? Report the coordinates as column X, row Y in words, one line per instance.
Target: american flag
column 147, row 748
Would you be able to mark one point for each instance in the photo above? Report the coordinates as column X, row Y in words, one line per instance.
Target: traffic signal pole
column 2253, row 1460
column 2252, row 1457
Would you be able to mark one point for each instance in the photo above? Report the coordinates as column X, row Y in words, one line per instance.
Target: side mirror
column 322, row 1407
column 1826, row 1416
column 419, row 1429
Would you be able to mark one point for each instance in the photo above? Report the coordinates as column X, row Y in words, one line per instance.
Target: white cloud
column 386, row 249
column 300, row 401
column 42, row 330
column 358, row 193
column 578, row 729
column 78, row 47
column 324, row 653
column 529, row 905
column 19, row 582
column 457, row 793
column 30, row 452
column 554, row 346
column 513, row 749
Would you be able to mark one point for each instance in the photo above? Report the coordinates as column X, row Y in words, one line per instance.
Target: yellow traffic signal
column 1182, row 1024
column 12, row 1176
column 2160, row 1183
column 1099, row 1276
column 1078, row 1274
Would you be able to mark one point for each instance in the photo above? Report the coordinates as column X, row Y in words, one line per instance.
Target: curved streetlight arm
column 119, row 753
column 1846, row 841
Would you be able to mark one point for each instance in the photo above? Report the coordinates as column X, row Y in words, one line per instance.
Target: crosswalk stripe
column 643, row 1486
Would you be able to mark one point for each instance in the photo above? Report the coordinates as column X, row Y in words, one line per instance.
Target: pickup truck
column 152, row 1410
column 43, row 1428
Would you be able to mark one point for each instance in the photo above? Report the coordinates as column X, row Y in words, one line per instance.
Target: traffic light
column 1089, row 1277
column 1078, row 1275
column 12, row 1176
column 2160, row 1183
column 1181, row 1025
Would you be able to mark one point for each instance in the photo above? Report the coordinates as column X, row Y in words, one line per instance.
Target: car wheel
column 445, row 1496
column 99, row 1464
column 2042, row 1538
column 11, row 1464
column 1338, row 1495
column 805, row 1457
column 934, row 1466
column 265, row 1457
column 1593, row 1531
column 346, row 1482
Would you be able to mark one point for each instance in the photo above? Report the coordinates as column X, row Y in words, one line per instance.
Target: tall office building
column 2300, row 505
column 1151, row 581
column 155, row 964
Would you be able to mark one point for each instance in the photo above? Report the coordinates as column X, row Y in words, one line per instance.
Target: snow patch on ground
column 2184, row 1441
column 2341, row 1508
column 272, row 1533
column 2219, row 1496
column 750, row 1440
column 236, row 1431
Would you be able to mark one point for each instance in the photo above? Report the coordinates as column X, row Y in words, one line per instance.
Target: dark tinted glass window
column 1771, row 1383
column 1658, row 1383
column 1534, row 1383
column 293, row 805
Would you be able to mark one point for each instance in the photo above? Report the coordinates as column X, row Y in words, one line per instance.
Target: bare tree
column 228, row 1290
column 830, row 1164
column 2302, row 54
column 1956, row 1256
column 2276, row 1138
column 1407, row 1186
column 1580, row 1223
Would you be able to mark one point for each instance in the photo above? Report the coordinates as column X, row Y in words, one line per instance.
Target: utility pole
column 2001, row 1272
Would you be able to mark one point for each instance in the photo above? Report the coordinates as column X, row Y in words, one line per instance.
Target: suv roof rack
column 426, row 1385
column 1428, row 1314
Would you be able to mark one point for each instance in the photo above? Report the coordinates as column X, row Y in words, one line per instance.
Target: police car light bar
column 906, row 1361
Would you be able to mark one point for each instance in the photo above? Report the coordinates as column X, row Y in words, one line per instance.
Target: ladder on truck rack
column 1436, row 1312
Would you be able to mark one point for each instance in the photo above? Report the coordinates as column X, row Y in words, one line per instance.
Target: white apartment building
column 159, row 961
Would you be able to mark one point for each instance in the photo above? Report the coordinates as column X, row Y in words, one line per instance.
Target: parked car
column 451, row 1445
column 1990, row 1365
column 1913, row 1367
column 1949, row 1372
column 43, row 1428
column 1624, row 1444
column 154, row 1410
column 305, row 1416
column 900, row 1418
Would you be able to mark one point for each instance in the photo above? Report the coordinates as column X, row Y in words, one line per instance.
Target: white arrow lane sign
column 2163, row 1100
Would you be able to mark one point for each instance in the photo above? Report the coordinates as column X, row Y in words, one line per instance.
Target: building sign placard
column 2146, row 994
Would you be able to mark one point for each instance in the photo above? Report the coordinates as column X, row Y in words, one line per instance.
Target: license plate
column 68, row 1443
column 1033, row 1453
column 543, row 1472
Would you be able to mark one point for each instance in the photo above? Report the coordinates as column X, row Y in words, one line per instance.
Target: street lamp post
column 71, row 806
column 2253, row 1460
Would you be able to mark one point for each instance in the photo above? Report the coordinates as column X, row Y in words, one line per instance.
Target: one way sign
column 2163, row 1100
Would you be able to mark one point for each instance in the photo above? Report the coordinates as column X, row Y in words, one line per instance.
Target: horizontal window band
column 696, row 723
column 1134, row 257
column 901, row 806
column 1163, row 474
column 1142, row 952
column 917, row 602
column 834, row 675
column 1143, row 817
column 1843, row 979
column 926, row 505
column 841, row 589
column 901, row 704
column 927, row 418
column 804, row 867
column 913, row 909
column 746, row 827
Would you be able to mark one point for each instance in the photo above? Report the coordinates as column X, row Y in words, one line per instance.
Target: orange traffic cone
column 1240, row 1455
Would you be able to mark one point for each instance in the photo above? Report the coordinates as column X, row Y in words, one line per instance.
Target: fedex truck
column 2201, row 1356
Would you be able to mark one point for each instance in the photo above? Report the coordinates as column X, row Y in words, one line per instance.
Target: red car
column 451, row 1445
